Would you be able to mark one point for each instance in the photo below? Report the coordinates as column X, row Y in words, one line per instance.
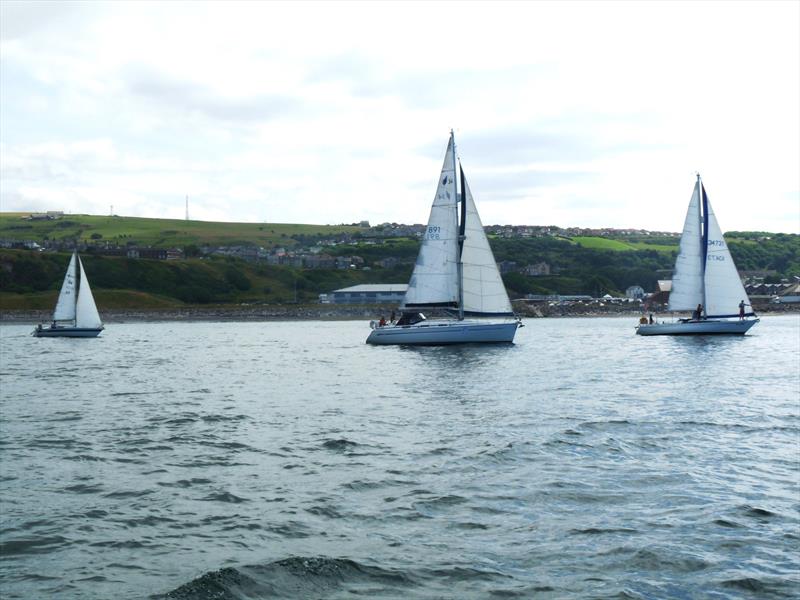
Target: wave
column 326, row 577
column 294, row 577
column 340, row 445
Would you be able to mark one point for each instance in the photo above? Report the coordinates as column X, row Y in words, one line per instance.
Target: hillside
column 577, row 264
column 159, row 232
column 31, row 280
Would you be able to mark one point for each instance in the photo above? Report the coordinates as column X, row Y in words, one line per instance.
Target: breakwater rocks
column 322, row 312
column 620, row 308
column 217, row 313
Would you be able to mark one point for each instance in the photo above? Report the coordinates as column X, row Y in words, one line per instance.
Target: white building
column 369, row 293
column 635, row 292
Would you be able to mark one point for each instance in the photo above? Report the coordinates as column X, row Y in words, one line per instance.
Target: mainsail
column 65, row 307
column 86, row 310
column 434, row 281
column 483, row 289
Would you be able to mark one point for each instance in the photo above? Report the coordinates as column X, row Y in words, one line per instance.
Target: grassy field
column 600, row 243
column 656, row 247
column 160, row 232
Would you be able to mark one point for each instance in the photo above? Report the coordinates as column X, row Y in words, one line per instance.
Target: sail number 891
column 433, row 233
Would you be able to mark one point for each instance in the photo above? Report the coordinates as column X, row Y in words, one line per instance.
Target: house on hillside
column 148, row 253
column 790, row 295
column 538, row 270
column 507, row 266
column 660, row 298
column 635, row 292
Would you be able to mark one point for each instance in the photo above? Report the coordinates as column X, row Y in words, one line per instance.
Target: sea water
column 291, row 460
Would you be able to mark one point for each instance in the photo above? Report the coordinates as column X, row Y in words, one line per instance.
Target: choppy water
column 230, row 460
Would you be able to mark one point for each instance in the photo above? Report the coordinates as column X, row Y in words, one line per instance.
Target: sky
column 593, row 114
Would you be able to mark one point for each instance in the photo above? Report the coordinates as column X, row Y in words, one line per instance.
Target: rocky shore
column 317, row 312
column 215, row 313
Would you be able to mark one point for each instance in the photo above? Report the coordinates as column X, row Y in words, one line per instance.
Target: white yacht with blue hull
column 456, row 272
column 66, row 331
column 76, row 313
column 443, row 332
column 705, row 280
column 701, row 327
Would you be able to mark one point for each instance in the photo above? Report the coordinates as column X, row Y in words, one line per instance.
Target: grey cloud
column 515, row 185
column 504, row 147
column 185, row 96
column 366, row 78
column 22, row 19
column 343, row 67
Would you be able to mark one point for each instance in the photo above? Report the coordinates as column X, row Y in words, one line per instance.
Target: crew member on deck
column 698, row 312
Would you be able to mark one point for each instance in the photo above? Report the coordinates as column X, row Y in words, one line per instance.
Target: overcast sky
column 571, row 114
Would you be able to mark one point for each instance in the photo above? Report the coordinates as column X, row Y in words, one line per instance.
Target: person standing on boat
column 698, row 312
column 741, row 310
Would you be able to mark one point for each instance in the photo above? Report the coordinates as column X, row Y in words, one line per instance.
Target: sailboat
column 76, row 313
column 705, row 280
column 455, row 272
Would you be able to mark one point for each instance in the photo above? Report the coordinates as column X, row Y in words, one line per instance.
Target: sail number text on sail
column 718, row 244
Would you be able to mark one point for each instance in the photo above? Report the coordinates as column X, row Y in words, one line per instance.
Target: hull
column 73, row 332
column 697, row 328
column 432, row 333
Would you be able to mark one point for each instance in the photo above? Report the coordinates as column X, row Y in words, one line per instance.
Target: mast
column 460, row 229
column 78, row 283
column 702, row 208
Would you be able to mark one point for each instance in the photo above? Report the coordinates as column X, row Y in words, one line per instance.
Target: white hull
column 709, row 327
column 438, row 333
column 81, row 332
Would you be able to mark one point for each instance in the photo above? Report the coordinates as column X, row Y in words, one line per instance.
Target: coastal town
column 390, row 249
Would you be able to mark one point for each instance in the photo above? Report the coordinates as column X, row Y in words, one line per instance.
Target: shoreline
column 327, row 312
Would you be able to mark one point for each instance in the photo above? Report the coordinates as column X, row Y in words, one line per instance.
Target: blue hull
column 709, row 327
column 432, row 333
column 72, row 332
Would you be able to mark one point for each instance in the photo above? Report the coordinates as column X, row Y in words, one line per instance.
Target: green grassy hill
column 599, row 243
column 163, row 233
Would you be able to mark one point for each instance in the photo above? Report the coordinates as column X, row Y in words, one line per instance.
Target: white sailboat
column 455, row 272
column 705, row 280
column 76, row 313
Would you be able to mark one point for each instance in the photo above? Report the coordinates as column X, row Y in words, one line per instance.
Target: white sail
column 687, row 279
column 435, row 277
column 483, row 289
column 724, row 289
column 86, row 313
column 65, row 307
